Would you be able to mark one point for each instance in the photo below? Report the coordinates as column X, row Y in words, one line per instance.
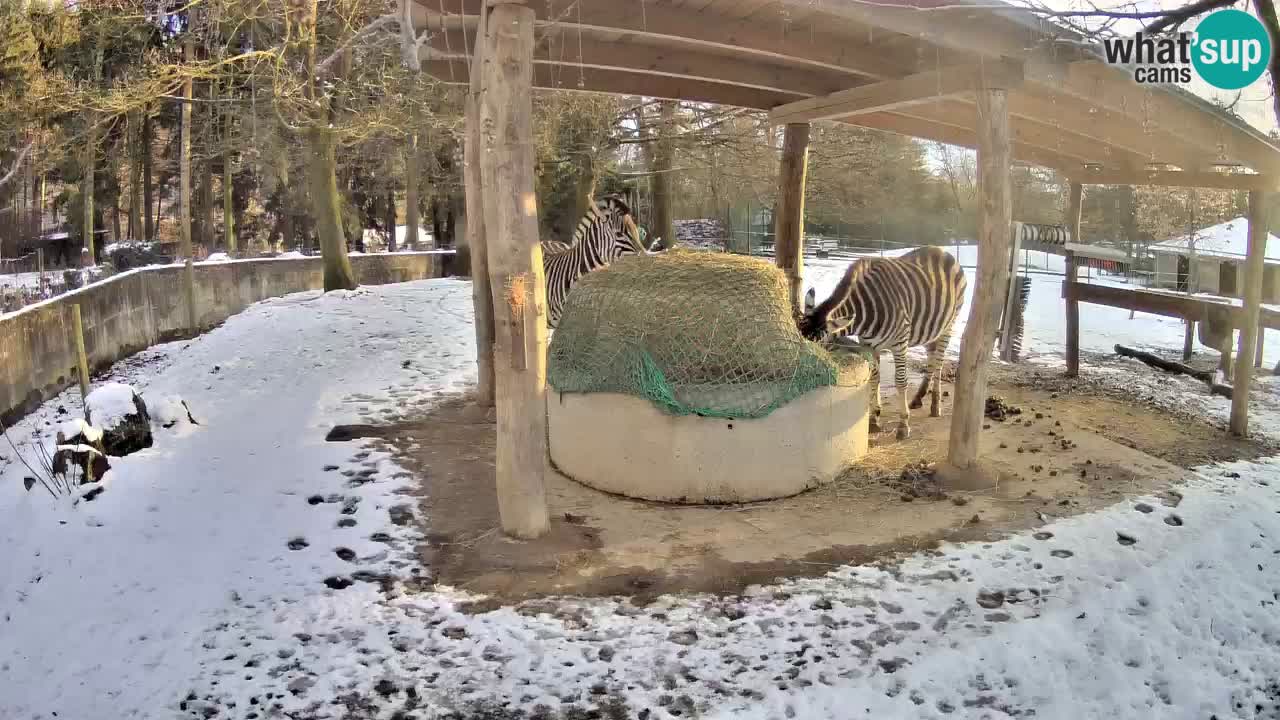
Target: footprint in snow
column 1173, row 520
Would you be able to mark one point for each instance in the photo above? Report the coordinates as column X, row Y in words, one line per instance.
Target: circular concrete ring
column 625, row 445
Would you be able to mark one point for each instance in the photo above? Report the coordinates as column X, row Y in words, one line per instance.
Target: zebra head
column 611, row 227
column 833, row 316
column 812, row 326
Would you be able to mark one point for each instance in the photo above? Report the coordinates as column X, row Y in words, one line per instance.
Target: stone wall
column 136, row 309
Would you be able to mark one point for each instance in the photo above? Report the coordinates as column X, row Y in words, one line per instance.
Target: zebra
column 894, row 304
column 605, row 233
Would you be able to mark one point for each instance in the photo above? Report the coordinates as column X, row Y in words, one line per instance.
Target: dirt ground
column 1063, row 454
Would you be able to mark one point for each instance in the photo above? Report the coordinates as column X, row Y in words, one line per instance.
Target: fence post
column 189, row 281
column 40, row 264
column 82, row 360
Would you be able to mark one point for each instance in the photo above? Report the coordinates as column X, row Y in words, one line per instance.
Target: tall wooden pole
column 1075, row 201
column 961, row 471
column 481, row 297
column 788, row 221
column 515, row 268
column 1252, row 300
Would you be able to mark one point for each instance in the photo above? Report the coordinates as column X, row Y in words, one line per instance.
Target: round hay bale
column 681, row 377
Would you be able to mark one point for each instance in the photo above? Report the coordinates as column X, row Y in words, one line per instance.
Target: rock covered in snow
column 170, row 411
column 79, row 446
column 122, row 416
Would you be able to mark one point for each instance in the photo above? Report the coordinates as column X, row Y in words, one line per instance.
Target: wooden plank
column 1179, row 178
column 962, row 137
column 1075, row 202
column 1251, row 312
column 481, row 297
column 564, row 50
column 1095, row 84
column 899, row 92
column 662, row 22
column 789, row 218
column 1029, row 132
column 1107, row 127
column 515, row 269
column 994, row 219
column 556, row 77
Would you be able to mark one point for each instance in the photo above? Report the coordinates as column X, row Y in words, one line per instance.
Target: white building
column 1219, row 255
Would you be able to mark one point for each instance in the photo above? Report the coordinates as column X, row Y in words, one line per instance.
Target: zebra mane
column 843, row 288
column 599, row 212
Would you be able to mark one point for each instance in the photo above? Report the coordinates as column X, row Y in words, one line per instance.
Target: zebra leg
column 874, row 424
column 900, row 380
column 931, row 369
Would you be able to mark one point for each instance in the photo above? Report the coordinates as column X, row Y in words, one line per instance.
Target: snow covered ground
column 233, row 569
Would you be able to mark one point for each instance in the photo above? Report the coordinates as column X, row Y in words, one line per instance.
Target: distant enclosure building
column 1219, row 255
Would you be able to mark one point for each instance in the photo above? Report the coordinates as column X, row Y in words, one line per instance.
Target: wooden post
column 82, row 360
column 1257, row 353
column 189, row 285
column 1252, row 300
column 478, row 262
column 1075, row 201
column 515, row 268
column 788, row 222
column 1188, row 339
column 961, row 471
column 40, row 264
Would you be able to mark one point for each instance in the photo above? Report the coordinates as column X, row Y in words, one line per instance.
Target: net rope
column 710, row 334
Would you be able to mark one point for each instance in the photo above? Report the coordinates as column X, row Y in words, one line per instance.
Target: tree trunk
column 411, row 182
column 135, row 184
column 517, row 287
column 663, row 157
column 961, row 471
column 184, row 152
column 789, row 219
column 390, row 221
column 322, row 182
column 86, row 198
column 228, row 190
column 437, row 221
column 116, row 230
column 148, row 199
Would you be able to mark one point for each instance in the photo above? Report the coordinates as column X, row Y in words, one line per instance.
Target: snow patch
column 110, row 403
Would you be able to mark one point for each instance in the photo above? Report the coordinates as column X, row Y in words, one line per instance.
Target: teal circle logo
column 1232, row 49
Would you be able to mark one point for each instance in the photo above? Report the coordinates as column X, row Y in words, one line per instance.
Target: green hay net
column 695, row 333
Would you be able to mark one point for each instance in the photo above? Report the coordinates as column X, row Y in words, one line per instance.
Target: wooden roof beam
column 677, row 25
column 1029, row 133
column 569, row 53
column 556, row 77
column 1107, row 127
column 963, row 137
column 900, row 92
column 1178, row 178
column 1097, row 85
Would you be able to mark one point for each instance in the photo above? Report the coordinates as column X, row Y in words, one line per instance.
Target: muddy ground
column 1073, row 448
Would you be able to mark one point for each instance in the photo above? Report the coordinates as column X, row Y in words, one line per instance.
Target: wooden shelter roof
column 905, row 66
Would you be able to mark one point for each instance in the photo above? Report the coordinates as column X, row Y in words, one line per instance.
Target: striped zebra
column 605, row 233
column 894, row 304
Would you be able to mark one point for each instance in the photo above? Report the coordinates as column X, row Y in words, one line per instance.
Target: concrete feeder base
column 625, row 445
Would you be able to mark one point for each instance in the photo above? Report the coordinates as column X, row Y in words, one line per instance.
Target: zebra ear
column 810, row 300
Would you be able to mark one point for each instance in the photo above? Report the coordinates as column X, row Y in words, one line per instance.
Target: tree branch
column 1185, row 13
column 323, row 66
column 17, row 163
